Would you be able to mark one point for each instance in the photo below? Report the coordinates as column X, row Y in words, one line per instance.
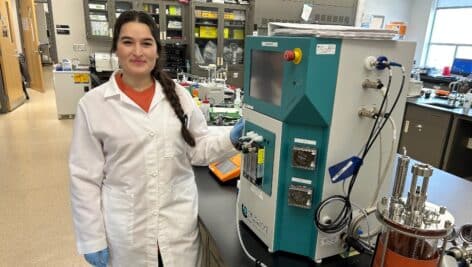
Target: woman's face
column 136, row 49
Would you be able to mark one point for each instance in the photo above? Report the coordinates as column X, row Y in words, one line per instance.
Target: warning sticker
column 81, row 78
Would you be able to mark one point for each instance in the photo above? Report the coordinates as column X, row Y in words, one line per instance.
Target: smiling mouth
column 138, row 61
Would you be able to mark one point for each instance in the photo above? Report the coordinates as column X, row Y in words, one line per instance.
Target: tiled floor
column 35, row 221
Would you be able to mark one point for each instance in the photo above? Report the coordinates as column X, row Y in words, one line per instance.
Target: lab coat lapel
column 158, row 95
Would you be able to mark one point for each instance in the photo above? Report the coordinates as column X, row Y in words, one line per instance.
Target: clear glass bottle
column 205, row 108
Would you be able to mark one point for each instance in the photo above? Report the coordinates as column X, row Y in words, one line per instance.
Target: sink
column 442, row 105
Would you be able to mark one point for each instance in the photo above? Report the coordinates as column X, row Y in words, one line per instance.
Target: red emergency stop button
column 289, row 55
column 294, row 55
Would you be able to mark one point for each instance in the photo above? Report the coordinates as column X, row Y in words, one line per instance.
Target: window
column 450, row 36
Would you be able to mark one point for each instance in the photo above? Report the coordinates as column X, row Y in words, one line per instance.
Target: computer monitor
column 461, row 66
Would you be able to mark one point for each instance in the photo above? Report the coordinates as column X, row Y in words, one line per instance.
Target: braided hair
column 166, row 82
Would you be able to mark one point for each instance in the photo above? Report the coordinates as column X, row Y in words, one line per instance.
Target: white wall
column 419, row 27
column 41, row 22
column 398, row 10
column 415, row 13
column 71, row 12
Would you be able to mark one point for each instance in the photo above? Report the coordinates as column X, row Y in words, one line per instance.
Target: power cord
column 258, row 263
column 344, row 217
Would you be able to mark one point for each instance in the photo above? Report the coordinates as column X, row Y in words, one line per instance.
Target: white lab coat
column 132, row 183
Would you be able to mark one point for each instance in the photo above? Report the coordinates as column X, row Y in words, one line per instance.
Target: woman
column 135, row 140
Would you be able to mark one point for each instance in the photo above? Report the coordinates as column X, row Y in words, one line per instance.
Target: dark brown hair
column 167, row 84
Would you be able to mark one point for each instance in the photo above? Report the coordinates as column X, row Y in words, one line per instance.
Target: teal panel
column 294, row 228
column 269, row 145
column 306, row 113
column 307, row 86
column 318, row 84
column 308, row 91
column 256, row 43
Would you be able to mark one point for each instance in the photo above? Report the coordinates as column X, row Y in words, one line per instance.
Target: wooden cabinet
column 217, row 37
column 425, row 133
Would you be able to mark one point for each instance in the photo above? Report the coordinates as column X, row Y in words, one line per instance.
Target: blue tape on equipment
column 344, row 169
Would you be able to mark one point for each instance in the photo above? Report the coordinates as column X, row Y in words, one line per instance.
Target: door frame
column 31, row 43
column 50, row 26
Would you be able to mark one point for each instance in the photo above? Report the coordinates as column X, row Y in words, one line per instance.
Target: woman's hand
column 99, row 258
column 237, row 132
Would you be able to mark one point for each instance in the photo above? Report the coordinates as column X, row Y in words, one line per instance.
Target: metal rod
column 384, row 252
column 400, row 177
column 414, row 180
column 424, row 187
column 443, row 249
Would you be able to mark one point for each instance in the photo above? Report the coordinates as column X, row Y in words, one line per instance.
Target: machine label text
column 270, row 44
column 325, row 49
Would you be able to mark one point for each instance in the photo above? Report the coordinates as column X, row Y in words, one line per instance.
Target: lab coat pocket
column 185, row 203
column 118, row 216
column 175, row 144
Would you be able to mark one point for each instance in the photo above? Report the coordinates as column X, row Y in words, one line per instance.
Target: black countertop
column 426, row 102
column 217, row 210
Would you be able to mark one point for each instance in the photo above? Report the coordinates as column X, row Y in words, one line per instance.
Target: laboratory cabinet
column 170, row 17
column 217, row 37
column 69, row 88
column 101, row 15
column 211, row 257
column 459, row 150
column 121, row 6
column 97, row 19
column 425, row 134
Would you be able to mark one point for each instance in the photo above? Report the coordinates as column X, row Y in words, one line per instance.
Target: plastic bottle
column 195, row 89
column 205, row 108
column 237, row 100
column 467, row 102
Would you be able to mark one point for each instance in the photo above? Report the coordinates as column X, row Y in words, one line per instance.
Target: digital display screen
column 461, row 66
column 226, row 166
column 266, row 76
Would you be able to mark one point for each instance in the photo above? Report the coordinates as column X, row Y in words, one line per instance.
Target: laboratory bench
column 217, row 220
column 437, row 134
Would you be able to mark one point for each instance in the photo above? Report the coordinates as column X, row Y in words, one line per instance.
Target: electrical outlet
column 469, row 143
column 79, row 47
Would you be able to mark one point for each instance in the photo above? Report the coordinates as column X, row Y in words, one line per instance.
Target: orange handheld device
column 227, row 169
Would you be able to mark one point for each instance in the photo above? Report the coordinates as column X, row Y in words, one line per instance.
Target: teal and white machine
column 302, row 101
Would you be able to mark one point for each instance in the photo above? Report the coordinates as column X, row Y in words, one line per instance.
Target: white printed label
column 306, row 12
column 301, row 180
column 325, row 49
column 305, row 141
column 329, row 241
column 270, row 44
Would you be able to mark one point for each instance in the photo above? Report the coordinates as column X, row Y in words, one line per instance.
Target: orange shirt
column 143, row 98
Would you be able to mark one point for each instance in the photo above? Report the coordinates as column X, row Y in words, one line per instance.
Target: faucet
column 452, row 98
